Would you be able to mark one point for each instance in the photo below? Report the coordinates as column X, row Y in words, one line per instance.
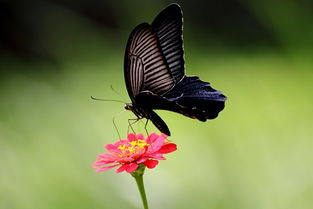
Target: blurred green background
column 257, row 154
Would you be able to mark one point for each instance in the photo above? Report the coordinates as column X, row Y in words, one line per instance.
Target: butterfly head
column 129, row 107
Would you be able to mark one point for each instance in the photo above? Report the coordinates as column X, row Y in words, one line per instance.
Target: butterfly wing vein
column 146, row 69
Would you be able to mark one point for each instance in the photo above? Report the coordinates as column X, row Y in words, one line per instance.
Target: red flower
column 129, row 153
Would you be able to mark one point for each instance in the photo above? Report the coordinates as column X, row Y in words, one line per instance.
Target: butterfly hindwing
column 190, row 97
column 197, row 98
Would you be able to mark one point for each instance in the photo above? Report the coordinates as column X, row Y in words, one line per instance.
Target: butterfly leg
column 115, row 126
column 146, row 127
column 130, row 123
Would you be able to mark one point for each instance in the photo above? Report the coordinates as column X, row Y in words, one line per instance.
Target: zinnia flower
column 129, row 153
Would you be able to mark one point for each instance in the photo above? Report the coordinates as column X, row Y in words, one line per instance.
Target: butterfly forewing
column 145, row 67
column 168, row 26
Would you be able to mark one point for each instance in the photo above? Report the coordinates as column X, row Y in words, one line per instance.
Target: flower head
column 129, row 153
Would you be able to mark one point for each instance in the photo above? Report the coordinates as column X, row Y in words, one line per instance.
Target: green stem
column 138, row 175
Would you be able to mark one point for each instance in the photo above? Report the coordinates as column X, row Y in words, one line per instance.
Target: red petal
column 167, row 148
column 140, row 136
column 151, row 163
column 152, row 137
column 122, row 168
column 106, row 156
column 121, row 142
column 156, row 156
column 101, row 163
column 131, row 167
column 131, row 137
column 156, row 145
column 110, row 147
column 106, row 168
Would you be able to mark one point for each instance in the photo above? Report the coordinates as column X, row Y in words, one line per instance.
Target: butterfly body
column 142, row 111
column 155, row 75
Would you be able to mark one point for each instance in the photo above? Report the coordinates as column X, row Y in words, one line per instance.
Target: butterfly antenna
column 111, row 86
column 115, row 126
column 107, row 100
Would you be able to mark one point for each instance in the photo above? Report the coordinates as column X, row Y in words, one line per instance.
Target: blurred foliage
column 257, row 154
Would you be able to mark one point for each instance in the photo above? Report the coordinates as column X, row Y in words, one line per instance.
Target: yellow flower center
column 134, row 146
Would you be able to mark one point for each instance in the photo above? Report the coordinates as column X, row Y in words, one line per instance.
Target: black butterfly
column 155, row 76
